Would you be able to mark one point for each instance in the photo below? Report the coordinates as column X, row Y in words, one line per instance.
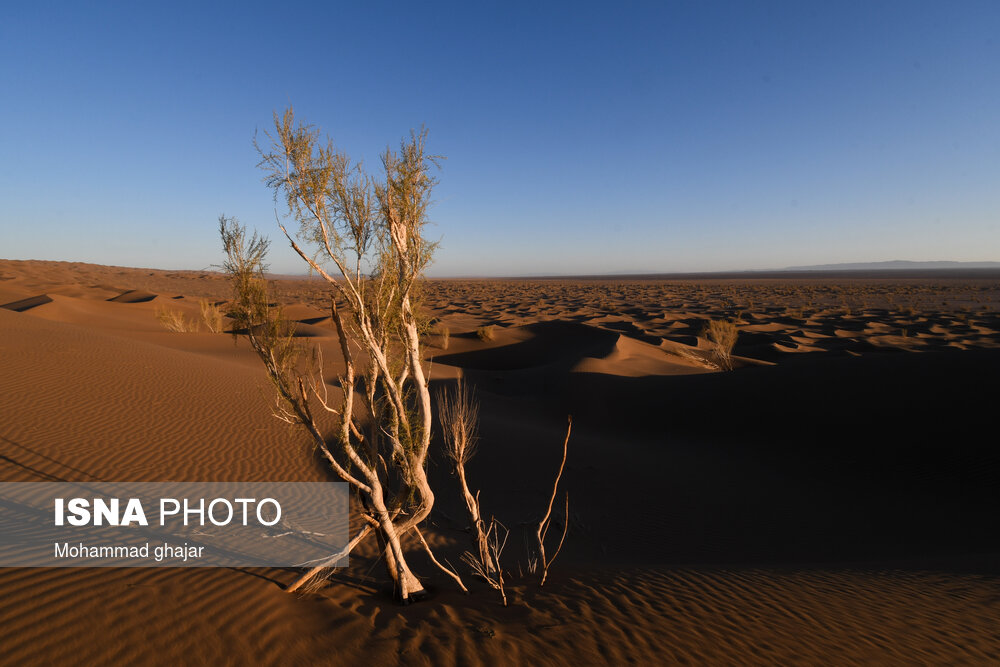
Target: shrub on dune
column 722, row 334
column 211, row 315
column 175, row 320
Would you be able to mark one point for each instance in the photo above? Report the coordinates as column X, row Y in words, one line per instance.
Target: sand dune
column 833, row 505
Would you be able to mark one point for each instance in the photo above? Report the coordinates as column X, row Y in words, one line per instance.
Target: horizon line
column 891, row 267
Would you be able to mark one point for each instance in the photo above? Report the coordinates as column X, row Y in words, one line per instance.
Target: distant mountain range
column 894, row 265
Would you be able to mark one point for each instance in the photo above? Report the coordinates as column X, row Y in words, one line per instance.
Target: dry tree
column 365, row 236
column 458, row 413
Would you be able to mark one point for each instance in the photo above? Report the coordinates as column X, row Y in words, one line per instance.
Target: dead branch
column 496, row 546
column 450, row 573
column 314, row 578
column 543, row 525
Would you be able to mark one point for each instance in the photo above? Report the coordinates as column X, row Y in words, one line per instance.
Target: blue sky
column 581, row 138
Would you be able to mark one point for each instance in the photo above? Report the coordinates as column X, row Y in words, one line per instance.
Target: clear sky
column 581, row 138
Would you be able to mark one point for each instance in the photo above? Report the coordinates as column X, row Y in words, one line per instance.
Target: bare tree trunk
column 472, row 506
column 407, row 586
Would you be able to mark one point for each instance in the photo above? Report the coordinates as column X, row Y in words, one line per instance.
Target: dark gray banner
column 173, row 524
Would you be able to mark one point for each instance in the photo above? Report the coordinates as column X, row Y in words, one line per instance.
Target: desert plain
column 832, row 499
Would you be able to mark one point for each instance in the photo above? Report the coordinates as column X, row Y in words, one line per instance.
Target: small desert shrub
column 445, row 337
column 211, row 315
column 174, row 320
column 486, row 333
column 722, row 334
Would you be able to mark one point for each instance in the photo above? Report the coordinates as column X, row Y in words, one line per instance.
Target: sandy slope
column 832, row 508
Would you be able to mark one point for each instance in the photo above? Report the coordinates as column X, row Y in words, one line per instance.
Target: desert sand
column 832, row 500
